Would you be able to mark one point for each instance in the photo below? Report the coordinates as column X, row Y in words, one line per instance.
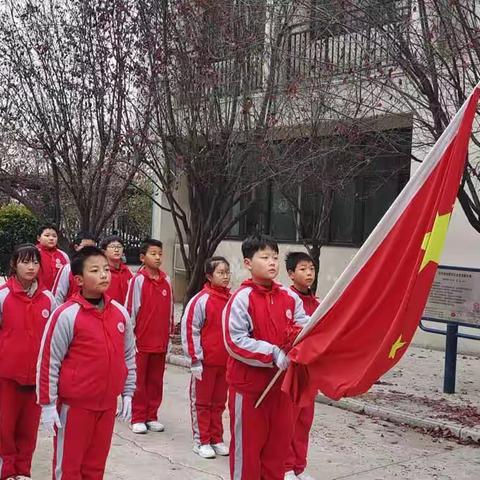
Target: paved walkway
column 344, row 445
column 412, row 393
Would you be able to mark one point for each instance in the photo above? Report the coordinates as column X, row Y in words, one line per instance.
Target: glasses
column 115, row 247
column 223, row 274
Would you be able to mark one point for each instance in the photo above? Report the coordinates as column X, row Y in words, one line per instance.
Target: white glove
column 50, row 419
column 196, row 371
column 280, row 358
column 125, row 412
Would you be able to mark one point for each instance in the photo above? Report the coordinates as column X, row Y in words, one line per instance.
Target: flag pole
column 273, row 381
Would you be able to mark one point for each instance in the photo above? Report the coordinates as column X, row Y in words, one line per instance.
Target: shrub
column 17, row 225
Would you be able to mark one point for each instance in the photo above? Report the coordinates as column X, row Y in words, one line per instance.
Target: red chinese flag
column 366, row 322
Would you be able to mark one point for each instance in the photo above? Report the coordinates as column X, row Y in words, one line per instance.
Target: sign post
column 455, row 301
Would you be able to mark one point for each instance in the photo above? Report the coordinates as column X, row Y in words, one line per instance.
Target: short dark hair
column 110, row 239
column 150, row 242
column 83, row 236
column 212, row 263
column 26, row 252
column 292, row 259
column 254, row 243
column 46, row 226
column 78, row 260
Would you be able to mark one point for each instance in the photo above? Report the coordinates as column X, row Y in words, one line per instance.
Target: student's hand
column 280, row 358
column 50, row 419
column 197, row 371
column 125, row 412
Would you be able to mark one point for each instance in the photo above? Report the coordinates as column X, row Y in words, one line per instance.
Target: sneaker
column 205, row 451
column 304, row 476
column 290, row 475
column 221, row 449
column 139, row 428
column 155, row 426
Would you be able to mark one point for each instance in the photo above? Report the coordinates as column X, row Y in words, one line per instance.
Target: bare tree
column 213, row 76
column 418, row 56
column 67, row 69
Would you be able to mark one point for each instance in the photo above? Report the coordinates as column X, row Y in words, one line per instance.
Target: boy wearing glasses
column 112, row 246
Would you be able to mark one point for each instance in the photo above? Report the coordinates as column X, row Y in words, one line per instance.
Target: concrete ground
column 344, row 445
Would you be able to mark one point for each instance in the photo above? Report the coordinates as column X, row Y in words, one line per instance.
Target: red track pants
column 19, row 419
column 302, row 420
column 260, row 436
column 207, row 403
column 81, row 446
column 149, row 390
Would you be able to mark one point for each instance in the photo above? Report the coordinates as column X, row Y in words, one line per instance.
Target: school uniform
column 65, row 286
column 23, row 316
column 119, row 284
column 202, row 341
column 52, row 260
column 87, row 359
column 150, row 305
column 256, row 319
column 302, row 417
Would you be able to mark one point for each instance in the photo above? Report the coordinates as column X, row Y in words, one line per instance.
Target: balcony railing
column 310, row 57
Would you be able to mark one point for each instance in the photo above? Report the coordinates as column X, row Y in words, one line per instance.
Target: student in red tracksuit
column 87, row 359
column 65, row 286
column 260, row 322
column 301, row 270
column 53, row 259
column 150, row 304
column 112, row 247
column 202, row 340
column 25, row 306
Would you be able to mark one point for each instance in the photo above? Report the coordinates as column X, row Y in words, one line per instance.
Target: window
column 344, row 216
column 282, row 217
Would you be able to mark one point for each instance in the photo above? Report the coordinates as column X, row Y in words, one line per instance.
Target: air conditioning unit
column 178, row 265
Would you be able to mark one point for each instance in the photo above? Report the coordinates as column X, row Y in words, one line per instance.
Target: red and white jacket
column 150, row 305
column 52, row 261
column 65, row 285
column 202, row 335
column 119, row 285
column 22, row 321
column 255, row 320
column 87, row 357
column 309, row 300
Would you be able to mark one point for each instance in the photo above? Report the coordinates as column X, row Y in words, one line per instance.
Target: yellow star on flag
column 396, row 346
column 434, row 240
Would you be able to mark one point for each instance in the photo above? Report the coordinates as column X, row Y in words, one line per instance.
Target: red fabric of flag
column 368, row 319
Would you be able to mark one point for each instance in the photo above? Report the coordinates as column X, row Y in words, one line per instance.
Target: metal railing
column 311, row 57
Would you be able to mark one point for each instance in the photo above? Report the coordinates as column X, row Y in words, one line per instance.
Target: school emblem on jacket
column 121, row 327
column 288, row 313
column 58, row 263
column 164, row 292
column 45, row 313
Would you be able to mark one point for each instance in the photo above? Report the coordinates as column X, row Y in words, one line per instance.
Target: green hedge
column 17, row 225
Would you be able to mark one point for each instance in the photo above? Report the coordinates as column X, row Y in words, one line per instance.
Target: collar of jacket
column 223, row 292
column 162, row 275
column 17, row 289
column 121, row 269
column 78, row 298
column 273, row 289
column 50, row 251
column 302, row 294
